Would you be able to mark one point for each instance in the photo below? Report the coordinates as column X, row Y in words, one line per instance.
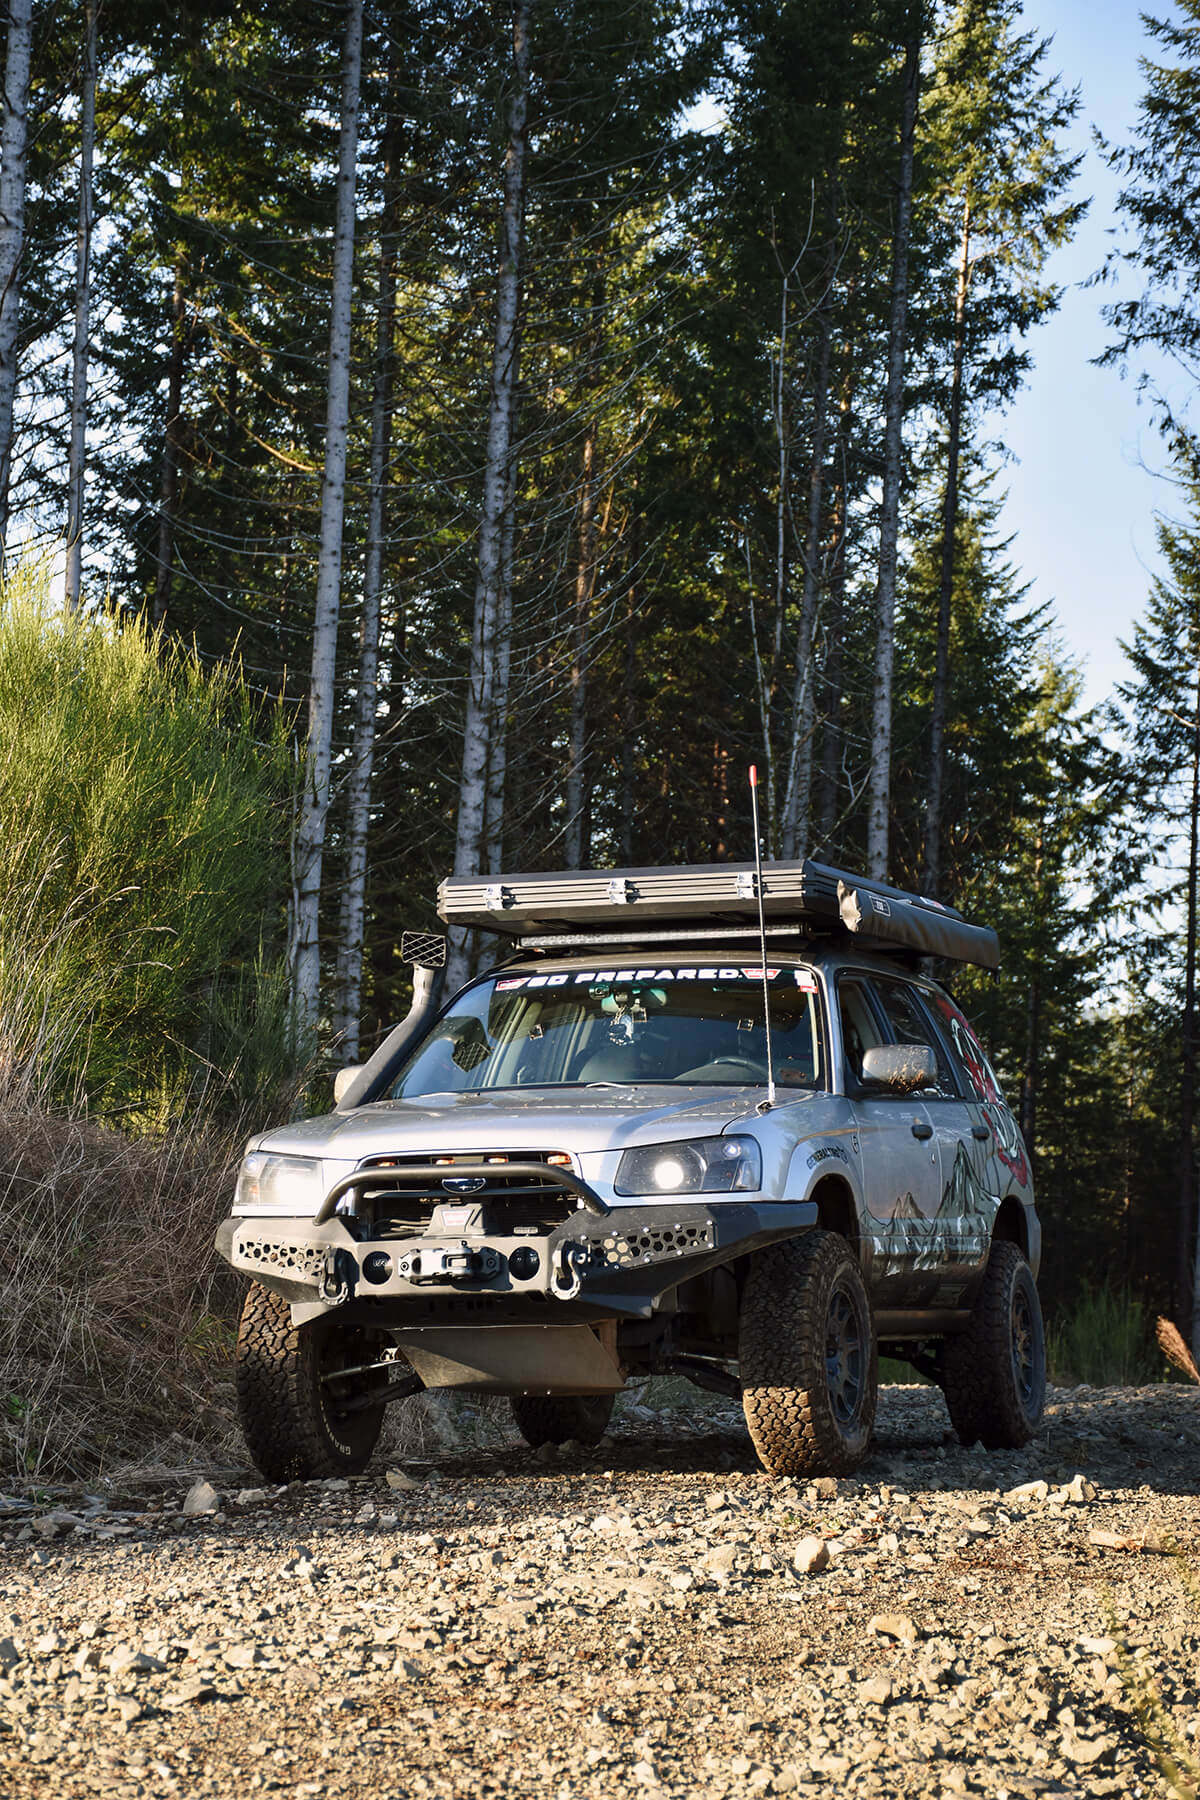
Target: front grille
column 406, row 1196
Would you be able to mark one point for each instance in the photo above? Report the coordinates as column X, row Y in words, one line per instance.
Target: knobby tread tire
column 983, row 1393
column 290, row 1427
column 782, row 1354
column 556, row 1418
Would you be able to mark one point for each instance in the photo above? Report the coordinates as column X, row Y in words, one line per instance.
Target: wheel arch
column 837, row 1209
column 1012, row 1226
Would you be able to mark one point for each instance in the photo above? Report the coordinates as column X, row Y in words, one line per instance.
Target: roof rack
column 650, row 905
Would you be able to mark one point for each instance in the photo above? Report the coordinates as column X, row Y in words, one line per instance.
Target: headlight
column 285, row 1184
column 716, row 1165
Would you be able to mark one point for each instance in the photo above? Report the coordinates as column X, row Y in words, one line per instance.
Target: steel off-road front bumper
column 609, row 1263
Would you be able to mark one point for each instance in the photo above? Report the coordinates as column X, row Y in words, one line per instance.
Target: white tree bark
column 880, row 780
column 575, row 837
column 14, row 132
column 794, row 831
column 501, row 678
column 931, row 875
column 79, row 361
column 309, row 846
column 489, row 602
column 347, row 1004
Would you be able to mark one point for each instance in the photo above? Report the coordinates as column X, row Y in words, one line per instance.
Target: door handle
column 981, row 1132
column 921, row 1129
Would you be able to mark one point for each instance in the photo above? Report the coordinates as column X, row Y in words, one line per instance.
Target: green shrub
column 144, row 813
column 1106, row 1340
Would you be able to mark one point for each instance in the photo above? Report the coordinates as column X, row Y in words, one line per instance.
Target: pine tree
column 1163, row 702
column 994, row 123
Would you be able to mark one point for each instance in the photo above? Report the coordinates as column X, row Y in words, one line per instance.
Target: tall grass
column 116, row 1317
column 1105, row 1340
column 144, row 806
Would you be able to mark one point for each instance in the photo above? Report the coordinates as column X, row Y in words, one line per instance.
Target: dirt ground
column 652, row 1617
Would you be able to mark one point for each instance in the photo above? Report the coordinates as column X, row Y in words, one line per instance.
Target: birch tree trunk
column 76, row 458
column 489, row 605
column 575, row 844
column 932, row 870
column 168, row 481
column 879, row 781
column 629, row 690
column 347, row 1004
column 794, row 830
column 1189, row 1236
column 498, row 734
column 14, row 131
column 314, row 805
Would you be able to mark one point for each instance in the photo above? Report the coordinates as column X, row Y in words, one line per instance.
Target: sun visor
column 918, row 924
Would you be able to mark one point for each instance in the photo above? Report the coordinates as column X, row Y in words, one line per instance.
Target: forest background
column 477, row 462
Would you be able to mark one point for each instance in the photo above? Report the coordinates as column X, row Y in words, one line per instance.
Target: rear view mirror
column 901, row 1067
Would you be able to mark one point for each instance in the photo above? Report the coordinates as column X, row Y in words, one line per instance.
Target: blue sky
column 1082, row 496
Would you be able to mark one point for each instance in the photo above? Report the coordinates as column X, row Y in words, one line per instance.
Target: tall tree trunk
column 497, row 769
column 347, row 1003
column 314, row 805
column 575, row 846
column 14, row 132
column 835, row 625
column 629, row 690
column 168, row 480
column 794, row 830
column 880, row 778
column 1188, row 1264
column 1033, row 1019
column 73, row 585
column 480, row 707
column 932, row 872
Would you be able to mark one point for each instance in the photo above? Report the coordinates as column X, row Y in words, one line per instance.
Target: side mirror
column 901, row 1067
column 342, row 1081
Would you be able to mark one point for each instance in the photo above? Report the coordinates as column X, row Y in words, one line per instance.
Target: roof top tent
column 714, row 901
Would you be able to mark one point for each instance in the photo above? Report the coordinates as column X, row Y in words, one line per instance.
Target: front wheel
column 300, row 1416
column 994, row 1374
column 557, row 1418
column 809, row 1363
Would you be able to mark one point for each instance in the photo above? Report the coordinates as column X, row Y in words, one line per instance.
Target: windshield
column 683, row 1024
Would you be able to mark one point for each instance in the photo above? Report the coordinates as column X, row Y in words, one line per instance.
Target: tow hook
column 338, row 1275
column 449, row 1262
column 568, row 1276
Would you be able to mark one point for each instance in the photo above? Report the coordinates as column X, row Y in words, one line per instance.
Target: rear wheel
column 994, row 1374
column 301, row 1418
column 557, row 1418
column 809, row 1364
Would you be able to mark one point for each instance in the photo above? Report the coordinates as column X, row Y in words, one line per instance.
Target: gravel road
column 652, row 1617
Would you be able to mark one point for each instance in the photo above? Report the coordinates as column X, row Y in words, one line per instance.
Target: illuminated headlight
column 284, row 1184
column 716, row 1165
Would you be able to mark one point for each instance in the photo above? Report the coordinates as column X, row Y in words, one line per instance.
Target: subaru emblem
column 463, row 1184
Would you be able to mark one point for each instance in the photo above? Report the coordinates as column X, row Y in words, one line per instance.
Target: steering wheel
column 716, row 1070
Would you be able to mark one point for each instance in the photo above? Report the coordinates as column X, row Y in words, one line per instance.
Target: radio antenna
column 762, row 936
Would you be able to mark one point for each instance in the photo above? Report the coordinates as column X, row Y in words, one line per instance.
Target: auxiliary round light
column 377, row 1266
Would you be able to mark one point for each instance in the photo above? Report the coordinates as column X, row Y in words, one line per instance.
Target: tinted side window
column 859, row 1028
column 910, row 1024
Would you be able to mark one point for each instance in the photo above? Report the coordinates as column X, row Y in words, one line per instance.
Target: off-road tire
column 289, row 1416
column 557, row 1418
column 994, row 1374
column 808, row 1357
